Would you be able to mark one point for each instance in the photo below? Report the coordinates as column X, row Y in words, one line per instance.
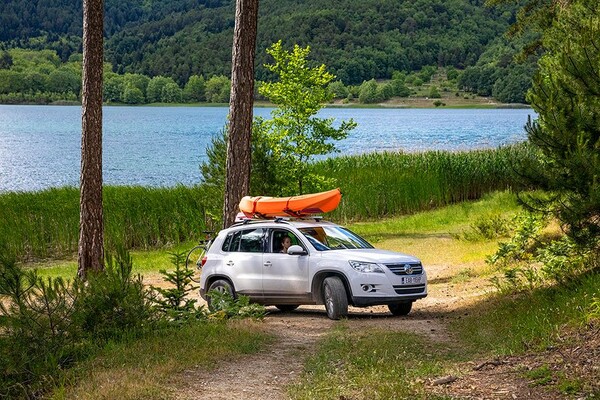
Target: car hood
column 370, row 255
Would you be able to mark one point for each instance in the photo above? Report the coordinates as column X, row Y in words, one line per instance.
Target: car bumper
column 376, row 301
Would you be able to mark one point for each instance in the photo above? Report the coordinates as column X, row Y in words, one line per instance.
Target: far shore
column 398, row 102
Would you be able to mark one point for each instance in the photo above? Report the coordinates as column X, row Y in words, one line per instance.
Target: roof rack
column 257, row 219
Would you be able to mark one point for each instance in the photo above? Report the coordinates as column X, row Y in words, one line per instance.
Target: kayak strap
column 254, row 204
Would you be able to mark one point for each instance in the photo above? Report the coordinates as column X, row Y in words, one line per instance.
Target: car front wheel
column 334, row 297
column 224, row 290
column 400, row 308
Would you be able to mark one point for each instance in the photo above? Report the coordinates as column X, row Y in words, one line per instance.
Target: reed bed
column 384, row 184
column 45, row 224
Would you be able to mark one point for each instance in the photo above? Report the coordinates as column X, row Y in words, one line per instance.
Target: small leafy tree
column 155, row 87
column 217, row 89
column 194, row 89
column 434, row 92
column 295, row 135
column 171, row 93
column 368, row 92
column 132, row 95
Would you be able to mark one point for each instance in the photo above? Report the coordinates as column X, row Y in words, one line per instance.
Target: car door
column 243, row 261
column 285, row 277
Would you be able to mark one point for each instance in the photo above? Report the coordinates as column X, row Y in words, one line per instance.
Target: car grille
column 409, row 289
column 398, row 269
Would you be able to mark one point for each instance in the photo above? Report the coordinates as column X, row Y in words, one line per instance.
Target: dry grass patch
column 142, row 368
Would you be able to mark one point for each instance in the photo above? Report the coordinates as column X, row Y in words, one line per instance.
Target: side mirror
column 296, row 250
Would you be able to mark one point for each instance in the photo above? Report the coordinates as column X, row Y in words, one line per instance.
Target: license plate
column 411, row 279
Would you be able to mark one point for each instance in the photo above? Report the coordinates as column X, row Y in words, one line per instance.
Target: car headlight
column 362, row 266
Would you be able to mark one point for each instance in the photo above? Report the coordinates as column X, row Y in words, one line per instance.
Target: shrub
column 47, row 325
column 173, row 302
column 562, row 260
column 434, row 92
column 529, row 259
column 521, row 245
column 234, row 308
column 113, row 301
column 37, row 335
column 488, row 228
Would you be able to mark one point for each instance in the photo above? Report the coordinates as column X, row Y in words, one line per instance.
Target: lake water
column 164, row 146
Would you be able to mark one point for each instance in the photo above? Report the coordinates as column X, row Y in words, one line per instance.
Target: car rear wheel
column 334, row 297
column 224, row 289
column 400, row 308
column 287, row 307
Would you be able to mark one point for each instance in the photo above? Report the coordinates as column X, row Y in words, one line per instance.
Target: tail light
column 204, row 259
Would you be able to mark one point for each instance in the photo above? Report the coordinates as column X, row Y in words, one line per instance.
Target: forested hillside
column 357, row 39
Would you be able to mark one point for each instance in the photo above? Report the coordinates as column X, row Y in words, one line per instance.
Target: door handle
column 267, row 263
column 230, row 263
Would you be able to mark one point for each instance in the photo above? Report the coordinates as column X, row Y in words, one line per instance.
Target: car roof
column 279, row 223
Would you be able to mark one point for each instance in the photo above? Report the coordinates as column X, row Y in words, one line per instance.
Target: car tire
column 400, row 308
column 222, row 286
column 287, row 307
column 334, row 297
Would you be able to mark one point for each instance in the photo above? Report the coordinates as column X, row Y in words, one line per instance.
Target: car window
column 247, row 240
column 251, row 240
column 277, row 236
column 227, row 242
column 334, row 237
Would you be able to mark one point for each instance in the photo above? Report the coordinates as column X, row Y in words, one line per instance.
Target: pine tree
column 566, row 95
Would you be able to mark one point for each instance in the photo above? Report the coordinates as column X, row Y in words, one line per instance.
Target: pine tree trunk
column 91, row 224
column 237, row 180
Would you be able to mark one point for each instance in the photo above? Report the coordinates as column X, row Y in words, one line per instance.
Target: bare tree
column 91, row 221
column 237, row 178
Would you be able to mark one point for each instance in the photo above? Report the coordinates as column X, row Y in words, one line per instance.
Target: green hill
column 358, row 40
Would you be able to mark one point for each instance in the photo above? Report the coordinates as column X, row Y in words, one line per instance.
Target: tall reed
column 383, row 184
column 45, row 224
column 37, row 225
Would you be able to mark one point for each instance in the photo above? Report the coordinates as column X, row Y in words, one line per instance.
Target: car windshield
column 334, row 238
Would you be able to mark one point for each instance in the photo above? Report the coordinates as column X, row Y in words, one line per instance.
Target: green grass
column 545, row 376
column 451, row 219
column 392, row 233
column 509, row 324
column 371, row 364
column 144, row 261
column 381, row 364
column 539, row 376
column 147, row 367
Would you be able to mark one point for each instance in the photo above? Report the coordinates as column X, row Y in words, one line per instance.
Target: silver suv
column 324, row 264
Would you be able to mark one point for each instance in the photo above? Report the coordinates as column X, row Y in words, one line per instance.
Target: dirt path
column 265, row 375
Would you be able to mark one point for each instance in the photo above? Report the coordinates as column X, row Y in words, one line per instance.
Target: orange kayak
column 295, row 206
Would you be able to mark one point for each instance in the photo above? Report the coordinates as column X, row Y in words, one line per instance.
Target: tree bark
column 237, row 175
column 91, row 221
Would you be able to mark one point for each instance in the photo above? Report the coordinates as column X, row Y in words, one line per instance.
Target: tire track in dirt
column 266, row 375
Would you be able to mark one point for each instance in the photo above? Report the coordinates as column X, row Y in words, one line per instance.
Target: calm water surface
column 163, row 146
